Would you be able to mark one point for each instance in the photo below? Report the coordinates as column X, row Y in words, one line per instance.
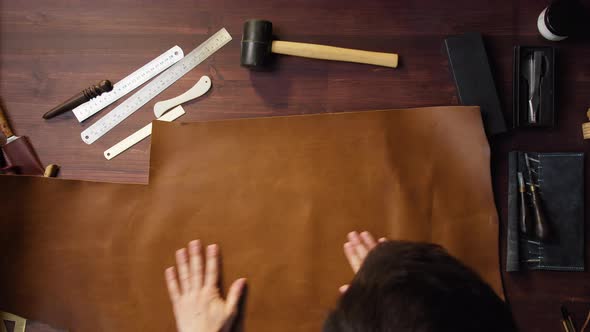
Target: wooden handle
column 334, row 53
column 4, row 126
column 51, row 171
column 586, row 130
column 586, row 126
column 542, row 230
column 524, row 215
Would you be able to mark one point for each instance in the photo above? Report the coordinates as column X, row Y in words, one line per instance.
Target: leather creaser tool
column 199, row 89
column 139, row 135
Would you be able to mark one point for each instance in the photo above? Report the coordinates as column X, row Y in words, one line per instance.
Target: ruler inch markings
column 156, row 86
column 129, row 83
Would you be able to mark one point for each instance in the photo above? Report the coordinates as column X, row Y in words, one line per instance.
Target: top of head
column 259, row 31
column 105, row 85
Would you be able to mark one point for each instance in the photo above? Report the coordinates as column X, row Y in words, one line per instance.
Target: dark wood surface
column 50, row 50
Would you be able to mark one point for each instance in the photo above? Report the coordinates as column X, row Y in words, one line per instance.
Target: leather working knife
column 534, row 78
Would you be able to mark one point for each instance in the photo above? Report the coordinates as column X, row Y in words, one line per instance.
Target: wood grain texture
column 52, row 49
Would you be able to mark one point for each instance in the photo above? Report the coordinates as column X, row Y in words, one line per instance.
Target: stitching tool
column 525, row 218
column 541, row 226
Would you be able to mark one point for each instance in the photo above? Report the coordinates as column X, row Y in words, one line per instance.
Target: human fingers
column 343, row 289
column 233, row 296
column 369, row 240
column 381, row 240
column 211, row 266
column 358, row 245
column 196, row 263
column 352, row 256
column 172, row 284
column 183, row 270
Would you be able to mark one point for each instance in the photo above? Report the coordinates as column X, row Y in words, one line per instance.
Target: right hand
column 356, row 250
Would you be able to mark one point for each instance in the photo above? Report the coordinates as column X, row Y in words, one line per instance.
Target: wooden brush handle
column 542, row 230
column 4, row 125
column 334, row 53
column 586, row 127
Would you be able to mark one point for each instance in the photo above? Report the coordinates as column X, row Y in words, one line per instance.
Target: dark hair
column 418, row 287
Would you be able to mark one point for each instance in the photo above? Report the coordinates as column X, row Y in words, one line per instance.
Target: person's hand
column 197, row 304
column 356, row 249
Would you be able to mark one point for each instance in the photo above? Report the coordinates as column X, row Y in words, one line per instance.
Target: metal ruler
column 129, row 83
column 155, row 87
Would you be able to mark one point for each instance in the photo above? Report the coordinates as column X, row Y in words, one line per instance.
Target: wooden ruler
column 155, row 87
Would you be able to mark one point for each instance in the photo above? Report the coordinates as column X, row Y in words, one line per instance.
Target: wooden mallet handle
column 334, row 53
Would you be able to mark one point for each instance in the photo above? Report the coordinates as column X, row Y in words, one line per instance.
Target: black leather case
column 520, row 108
column 471, row 70
column 560, row 179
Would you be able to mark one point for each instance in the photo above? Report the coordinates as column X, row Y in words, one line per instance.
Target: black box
column 545, row 116
column 473, row 77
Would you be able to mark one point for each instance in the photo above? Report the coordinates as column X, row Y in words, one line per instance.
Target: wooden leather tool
column 524, row 216
column 257, row 46
column 139, row 135
column 586, row 126
column 20, row 324
column 80, row 98
column 541, row 226
column 199, row 89
column 18, row 151
column 51, row 171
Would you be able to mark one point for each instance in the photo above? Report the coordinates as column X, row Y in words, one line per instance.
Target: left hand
column 196, row 301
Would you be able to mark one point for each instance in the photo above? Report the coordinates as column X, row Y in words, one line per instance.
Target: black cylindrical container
column 560, row 19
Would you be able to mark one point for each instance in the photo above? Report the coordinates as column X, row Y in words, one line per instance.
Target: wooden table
column 51, row 49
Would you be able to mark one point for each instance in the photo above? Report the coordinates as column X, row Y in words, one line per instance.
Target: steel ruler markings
column 156, row 86
column 129, row 83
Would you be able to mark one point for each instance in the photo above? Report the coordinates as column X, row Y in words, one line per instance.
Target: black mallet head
column 256, row 43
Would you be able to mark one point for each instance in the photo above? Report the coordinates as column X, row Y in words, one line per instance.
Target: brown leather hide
column 278, row 194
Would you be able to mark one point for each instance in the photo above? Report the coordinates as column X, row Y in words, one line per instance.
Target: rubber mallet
column 257, row 46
